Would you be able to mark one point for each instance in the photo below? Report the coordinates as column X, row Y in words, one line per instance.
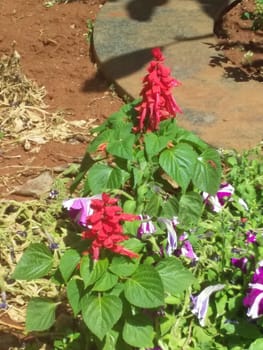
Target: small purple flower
column 147, row 227
column 3, row 304
column 53, row 194
column 201, row 302
column 79, row 208
column 254, row 299
column 251, row 237
column 218, row 201
column 54, row 246
column 241, row 263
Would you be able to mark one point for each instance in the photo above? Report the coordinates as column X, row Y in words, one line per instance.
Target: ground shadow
column 214, row 8
column 236, row 73
column 119, row 66
column 142, row 10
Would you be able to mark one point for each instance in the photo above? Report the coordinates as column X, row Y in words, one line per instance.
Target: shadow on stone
column 142, row 10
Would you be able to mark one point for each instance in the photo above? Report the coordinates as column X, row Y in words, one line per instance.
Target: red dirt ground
column 55, row 53
column 236, row 38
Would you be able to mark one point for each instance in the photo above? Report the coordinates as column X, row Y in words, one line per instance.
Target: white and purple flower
column 251, row 237
column 218, row 201
column 79, row 208
column 201, row 302
column 241, row 263
column 171, row 234
column 254, row 299
column 147, row 227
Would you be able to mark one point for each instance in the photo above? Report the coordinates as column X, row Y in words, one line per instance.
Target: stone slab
column 224, row 112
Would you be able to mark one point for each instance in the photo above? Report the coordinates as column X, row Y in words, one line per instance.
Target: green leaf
column 175, row 277
column 74, row 293
column 190, row 208
column 138, row 332
column 121, row 144
column 144, row 288
column 102, row 177
column 94, row 272
column 191, row 138
column 106, row 282
column 170, row 208
column 168, row 128
column 256, row 345
column 133, row 244
column 68, row 263
column 123, row 266
column 36, row 262
column 101, row 313
column 153, row 205
column 207, row 172
column 111, row 340
column 100, row 139
column 40, row 314
column 179, row 163
column 155, row 144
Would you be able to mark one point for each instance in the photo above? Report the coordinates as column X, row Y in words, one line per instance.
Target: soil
column 240, row 44
column 56, row 53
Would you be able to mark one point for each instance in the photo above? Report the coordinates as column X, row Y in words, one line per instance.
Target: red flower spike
column 158, row 102
column 104, row 227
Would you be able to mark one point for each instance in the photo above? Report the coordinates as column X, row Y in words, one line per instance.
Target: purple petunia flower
column 187, row 248
column 218, row 201
column 241, row 263
column 251, row 237
column 171, row 234
column 79, row 208
column 254, row 299
column 188, row 251
column 147, row 227
column 201, row 302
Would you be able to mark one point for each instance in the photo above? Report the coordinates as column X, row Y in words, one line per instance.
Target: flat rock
column 224, row 112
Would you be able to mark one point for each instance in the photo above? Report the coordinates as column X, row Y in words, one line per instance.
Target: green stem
column 121, row 192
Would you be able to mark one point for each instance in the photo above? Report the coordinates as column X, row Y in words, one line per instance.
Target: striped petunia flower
column 201, row 302
column 146, row 227
column 254, row 299
column 79, row 208
column 219, row 199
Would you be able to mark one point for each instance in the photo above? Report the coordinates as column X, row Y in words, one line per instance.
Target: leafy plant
column 90, row 28
column 160, row 256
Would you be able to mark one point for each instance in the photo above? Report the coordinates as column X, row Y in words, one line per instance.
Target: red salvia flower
column 105, row 229
column 158, row 102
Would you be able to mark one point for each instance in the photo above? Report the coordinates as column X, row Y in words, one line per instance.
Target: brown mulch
column 55, row 52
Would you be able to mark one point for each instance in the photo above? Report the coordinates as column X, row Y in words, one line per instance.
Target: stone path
column 224, row 112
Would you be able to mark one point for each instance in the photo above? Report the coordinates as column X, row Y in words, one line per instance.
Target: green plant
column 70, row 342
column 90, row 28
column 256, row 16
column 159, row 240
